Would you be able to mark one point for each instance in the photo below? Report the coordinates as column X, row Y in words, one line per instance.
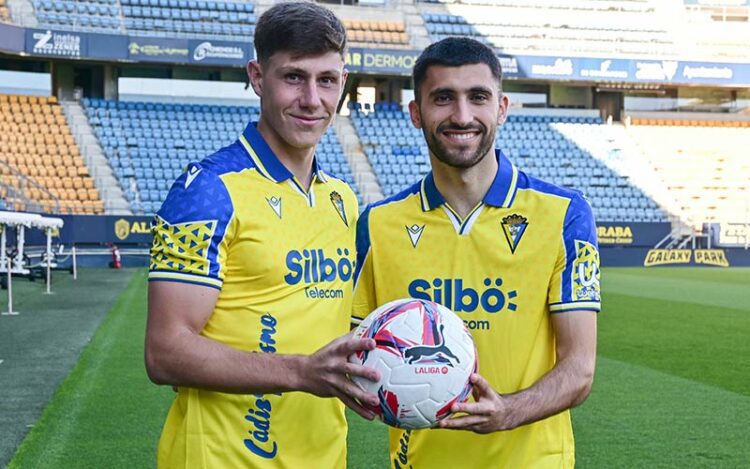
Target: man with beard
column 515, row 257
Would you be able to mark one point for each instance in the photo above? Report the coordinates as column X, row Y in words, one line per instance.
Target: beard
column 461, row 157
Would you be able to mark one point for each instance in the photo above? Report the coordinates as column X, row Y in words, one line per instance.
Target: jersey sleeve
column 364, row 286
column 191, row 230
column 575, row 281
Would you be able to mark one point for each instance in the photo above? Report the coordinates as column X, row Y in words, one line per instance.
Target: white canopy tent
column 21, row 221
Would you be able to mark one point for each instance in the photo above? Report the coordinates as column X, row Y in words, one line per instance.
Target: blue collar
column 502, row 192
column 266, row 161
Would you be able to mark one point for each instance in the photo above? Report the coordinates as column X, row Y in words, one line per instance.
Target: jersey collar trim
column 502, row 192
column 266, row 161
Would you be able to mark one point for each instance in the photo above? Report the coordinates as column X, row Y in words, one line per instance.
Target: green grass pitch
column 672, row 387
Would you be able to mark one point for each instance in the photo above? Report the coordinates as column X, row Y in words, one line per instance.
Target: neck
column 464, row 188
column 297, row 160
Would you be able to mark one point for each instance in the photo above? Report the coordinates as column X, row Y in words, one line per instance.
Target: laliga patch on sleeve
column 586, row 272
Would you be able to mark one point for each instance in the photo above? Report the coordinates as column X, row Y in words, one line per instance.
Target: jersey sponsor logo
column 451, row 293
column 338, row 204
column 267, row 342
column 415, row 233
column 586, row 272
column 261, row 443
column 314, row 266
column 275, row 204
column 514, row 226
column 401, row 460
column 192, row 173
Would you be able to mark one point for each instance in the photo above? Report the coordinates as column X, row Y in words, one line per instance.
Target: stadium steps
column 355, row 156
column 93, row 156
column 415, row 24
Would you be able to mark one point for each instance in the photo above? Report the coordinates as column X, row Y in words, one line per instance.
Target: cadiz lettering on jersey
column 402, row 459
column 260, row 441
column 451, row 293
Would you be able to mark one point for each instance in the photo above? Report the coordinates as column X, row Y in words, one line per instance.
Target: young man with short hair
column 251, row 273
column 515, row 257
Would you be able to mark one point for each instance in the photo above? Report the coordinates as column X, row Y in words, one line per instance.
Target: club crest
column 338, row 204
column 514, row 227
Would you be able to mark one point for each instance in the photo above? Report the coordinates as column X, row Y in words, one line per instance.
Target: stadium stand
column 703, row 163
column 571, row 27
column 174, row 18
column 101, row 16
column 160, row 18
column 723, row 28
column 148, row 144
column 534, row 143
column 38, row 151
column 388, row 34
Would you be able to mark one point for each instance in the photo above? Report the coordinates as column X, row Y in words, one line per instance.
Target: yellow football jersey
column 526, row 251
column 284, row 260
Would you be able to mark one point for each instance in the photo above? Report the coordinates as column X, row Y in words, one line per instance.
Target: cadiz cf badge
column 122, row 229
column 338, row 204
column 513, row 227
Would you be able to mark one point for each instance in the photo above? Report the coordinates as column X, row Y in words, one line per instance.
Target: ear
column 344, row 77
column 255, row 74
column 503, row 111
column 416, row 116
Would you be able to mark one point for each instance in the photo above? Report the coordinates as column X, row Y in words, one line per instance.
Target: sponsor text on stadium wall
column 715, row 257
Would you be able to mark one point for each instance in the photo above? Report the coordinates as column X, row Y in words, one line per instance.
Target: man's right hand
column 327, row 372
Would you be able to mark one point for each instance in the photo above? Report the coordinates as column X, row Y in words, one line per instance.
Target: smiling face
column 458, row 111
column 298, row 98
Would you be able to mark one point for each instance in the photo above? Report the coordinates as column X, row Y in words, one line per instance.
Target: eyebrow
column 475, row 89
column 300, row 71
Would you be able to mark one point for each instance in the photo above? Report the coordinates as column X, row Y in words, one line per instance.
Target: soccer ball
column 425, row 356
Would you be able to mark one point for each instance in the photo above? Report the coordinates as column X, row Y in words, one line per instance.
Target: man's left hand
column 488, row 413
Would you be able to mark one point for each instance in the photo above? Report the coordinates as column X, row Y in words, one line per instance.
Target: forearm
column 189, row 359
column 564, row 386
